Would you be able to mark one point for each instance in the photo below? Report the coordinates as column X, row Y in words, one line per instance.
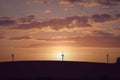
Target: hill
column 59, row 70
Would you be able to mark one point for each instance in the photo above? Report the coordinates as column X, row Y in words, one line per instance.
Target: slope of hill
column 54, row 70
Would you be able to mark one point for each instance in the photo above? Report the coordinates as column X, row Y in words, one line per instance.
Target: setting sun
column 59, row 56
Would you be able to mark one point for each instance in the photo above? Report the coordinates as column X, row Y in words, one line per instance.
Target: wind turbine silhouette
column 12, row 56
column 62, row 56
column 107, row 58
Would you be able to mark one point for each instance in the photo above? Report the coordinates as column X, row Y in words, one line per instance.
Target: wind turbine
column 12, row 56
column 107, row 58
column 62, row 56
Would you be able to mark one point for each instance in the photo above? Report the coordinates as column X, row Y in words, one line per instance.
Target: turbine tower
column 12, row 56
column 107, row 58
column 62, row 56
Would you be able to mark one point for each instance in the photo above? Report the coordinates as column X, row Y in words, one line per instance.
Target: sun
column 62, row 53
column 59, row 55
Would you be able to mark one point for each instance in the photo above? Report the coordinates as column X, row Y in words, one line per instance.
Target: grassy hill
column 59, row 70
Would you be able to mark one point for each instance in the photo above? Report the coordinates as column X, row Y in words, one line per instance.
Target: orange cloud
column 64, row 2
column 91, row 3
column 2, row 36
column 37, row 2
column 47, row 12
column 91, row 41
column 20, row 38
column 68, row 23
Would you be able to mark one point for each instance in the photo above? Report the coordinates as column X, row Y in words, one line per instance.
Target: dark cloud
column 57, row 24
column 107, row 2
column 118, row 15
column 74, row 0
column 23, row 21
column 38, row 2
column 27, row 19
column 55, row 39
column 30, row 22
column 5, row 18
column 2, row 36
column 116, row 28
column 20, row 38
column 102, row 33
column 102, row 17
column 7, row 22
column 26, row 26
column 52, row 44
column 97, row 2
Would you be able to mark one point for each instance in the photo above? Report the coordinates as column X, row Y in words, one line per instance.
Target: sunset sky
column 83, row 30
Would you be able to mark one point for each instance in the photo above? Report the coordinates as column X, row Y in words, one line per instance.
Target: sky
column 82, row 30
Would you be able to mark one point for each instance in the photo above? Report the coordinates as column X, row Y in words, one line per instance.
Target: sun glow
column 62, row 52
column 59, row 56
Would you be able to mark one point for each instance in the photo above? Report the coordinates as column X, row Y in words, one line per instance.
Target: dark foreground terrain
column 58, row 70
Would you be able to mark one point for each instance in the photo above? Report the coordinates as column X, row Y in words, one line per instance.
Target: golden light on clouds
column 47, row 12
column 64, row 2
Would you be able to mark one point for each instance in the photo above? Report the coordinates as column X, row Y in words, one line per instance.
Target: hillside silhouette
column 58, row 70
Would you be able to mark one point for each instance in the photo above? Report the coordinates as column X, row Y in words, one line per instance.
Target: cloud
column 47, row 12
column 7, row 22
column 2, row 36
column 26, row 26
column 56, row 38
column 37, row 2
column 26, row 19
column 118, row 15
column 67, row 9
column 20, row 38
column 116, row 28
column 108, row 2
column 56, row 24
column 102, row 18
column 91, row 3
column 91, row 41
column 99, row 38
column 102, row 33
column 64, row 2
column 81, row 21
